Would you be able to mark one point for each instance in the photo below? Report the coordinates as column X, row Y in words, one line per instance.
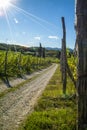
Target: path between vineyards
column 14, row 106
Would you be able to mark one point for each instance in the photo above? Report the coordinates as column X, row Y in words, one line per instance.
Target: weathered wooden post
column 63, row 57
column 19, row 58
column 44, row 55
column 81, row 41
column 5, row 69
column 40, row 53
column 40, row 50
column 5, row 66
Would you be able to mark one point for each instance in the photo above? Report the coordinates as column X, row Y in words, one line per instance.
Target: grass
column 54, row 110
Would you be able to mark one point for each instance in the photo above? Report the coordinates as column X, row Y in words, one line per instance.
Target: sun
column 4, row 4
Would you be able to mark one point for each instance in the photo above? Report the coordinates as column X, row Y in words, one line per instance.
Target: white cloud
column 16, row 21
column 37, row 38
column 53, row 37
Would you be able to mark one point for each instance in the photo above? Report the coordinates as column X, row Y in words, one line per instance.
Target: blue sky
column 29, row 22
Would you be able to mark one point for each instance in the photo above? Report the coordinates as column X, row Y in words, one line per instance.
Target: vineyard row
column 16, row 64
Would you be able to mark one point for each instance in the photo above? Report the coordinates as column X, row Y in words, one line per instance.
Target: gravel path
column 16, row 105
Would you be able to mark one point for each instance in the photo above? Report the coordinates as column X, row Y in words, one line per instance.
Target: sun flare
column 4, row 6
column 4, row 3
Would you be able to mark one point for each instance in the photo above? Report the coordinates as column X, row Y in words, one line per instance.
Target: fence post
column 5, row 69
column 5, row 66
column 63, row 57
column 19, row 64
column 81, row 44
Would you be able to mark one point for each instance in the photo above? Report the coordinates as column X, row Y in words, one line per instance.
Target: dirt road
column 14, row 106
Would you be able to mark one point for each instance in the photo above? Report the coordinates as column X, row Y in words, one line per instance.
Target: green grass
column 54, row 111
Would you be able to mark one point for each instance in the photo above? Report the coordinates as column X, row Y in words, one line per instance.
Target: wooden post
column 19, row 58
column 71, row 75
column 5, row 69
column 81, row 43
column 5, row 66
column 63, row 57
column 40, row 50
column 44, row 55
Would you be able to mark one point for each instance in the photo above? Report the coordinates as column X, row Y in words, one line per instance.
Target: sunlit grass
column 54, row 111
column 59, row 119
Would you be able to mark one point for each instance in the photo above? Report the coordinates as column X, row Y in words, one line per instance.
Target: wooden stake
column 63, row 57
column 81, row 43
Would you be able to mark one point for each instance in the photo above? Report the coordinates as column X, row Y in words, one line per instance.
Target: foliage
column 31, row 50
column 72, row 62
column 19, row 64
column 53, row 53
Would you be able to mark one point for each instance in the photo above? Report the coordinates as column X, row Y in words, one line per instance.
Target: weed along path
column 14, row 106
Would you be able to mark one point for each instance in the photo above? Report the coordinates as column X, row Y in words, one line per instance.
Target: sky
column 31, row 22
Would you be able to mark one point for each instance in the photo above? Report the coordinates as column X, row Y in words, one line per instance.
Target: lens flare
column 4, row 3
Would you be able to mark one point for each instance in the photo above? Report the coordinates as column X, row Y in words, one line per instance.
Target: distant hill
column 49, row 51
column 59, row 49
column 50, row 48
